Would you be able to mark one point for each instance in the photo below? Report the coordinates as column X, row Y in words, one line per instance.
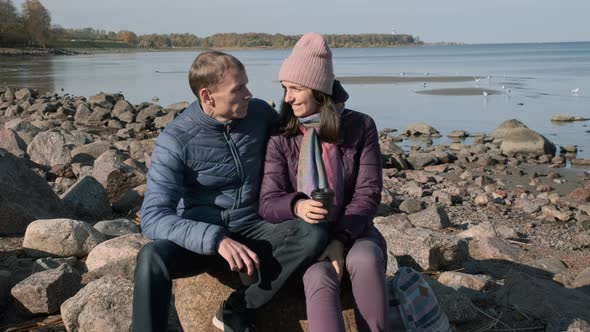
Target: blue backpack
column 413, row 305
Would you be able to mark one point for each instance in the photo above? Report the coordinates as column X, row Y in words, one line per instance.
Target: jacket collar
column 204, row 120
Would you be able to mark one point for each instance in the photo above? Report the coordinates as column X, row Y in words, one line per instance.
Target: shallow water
column 540, row 78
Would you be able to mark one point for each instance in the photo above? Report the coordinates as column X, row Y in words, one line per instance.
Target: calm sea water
column 540, row 77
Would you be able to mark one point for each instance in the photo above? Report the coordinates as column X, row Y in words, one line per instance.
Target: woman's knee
column 320, row 275
column 153, row 256
column 365, row 256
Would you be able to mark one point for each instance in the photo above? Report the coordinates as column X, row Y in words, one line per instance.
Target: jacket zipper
column 240, row 171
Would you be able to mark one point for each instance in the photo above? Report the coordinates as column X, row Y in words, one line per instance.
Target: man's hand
column 335, row 253
column 238, row 256
column 310, row 211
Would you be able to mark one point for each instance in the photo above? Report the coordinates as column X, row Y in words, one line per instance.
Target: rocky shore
column 499, row 226
column 39, row 51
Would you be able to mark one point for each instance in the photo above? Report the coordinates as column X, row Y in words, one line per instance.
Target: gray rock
column 82, row 114
column 103, row 305
column 149, row 113
column 411, row 206
column 24, row 94
column 582, row 239
column 86, row 154
column 116, row 124
column 24, row 196
column 551, row 265
column 421, row 160
column 530, row 206
column 122, row 106
column 162, row 121
column 44, row 292
column 60, row 238
column 583, row 279
column 457, row 306
column 526, row 141
column 88, row 200
column 567, row 325
column 130, row 202
column 98, row 117
column 117, row 227
column 458, row 279
column 420, row 176
column 458, row 134
column 177, row 107
column 10, row 141
column 424, row 249
column 102, row 100
column 138, row 149
column 542, row 297
column 120, row 249
column 433, row 217
column 127, row 117
column 418, row 129
column 49, row 148
column 114, row 175
column 506, row 127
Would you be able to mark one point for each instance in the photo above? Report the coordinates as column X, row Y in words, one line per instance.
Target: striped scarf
column 320, row 164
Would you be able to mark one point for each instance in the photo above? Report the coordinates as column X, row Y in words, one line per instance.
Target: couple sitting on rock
column 205, row 204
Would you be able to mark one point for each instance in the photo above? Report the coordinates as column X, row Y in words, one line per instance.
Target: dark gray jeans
column 282, row 249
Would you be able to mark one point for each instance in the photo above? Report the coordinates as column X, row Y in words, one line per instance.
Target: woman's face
column 300, row 98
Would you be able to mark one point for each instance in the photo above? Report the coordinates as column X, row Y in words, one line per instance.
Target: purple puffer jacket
column 362, row 176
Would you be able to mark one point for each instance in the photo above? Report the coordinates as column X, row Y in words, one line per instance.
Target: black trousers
column 281, row 248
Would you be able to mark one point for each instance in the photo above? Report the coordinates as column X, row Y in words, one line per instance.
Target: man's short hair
column 209, row 68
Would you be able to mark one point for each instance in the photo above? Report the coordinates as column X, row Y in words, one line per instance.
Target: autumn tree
column 10, row 25
column 37, row 22
column 128, row 37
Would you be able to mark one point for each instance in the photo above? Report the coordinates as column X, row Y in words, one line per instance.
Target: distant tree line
column 32, row 27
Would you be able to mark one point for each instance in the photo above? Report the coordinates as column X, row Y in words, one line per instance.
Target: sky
column 463, row 21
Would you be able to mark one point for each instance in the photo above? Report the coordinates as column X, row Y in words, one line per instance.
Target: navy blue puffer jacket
column 205, row 176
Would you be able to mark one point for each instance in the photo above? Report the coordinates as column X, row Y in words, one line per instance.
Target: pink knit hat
column 310, row 64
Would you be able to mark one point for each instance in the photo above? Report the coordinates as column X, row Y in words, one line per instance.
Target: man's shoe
column 230, row 320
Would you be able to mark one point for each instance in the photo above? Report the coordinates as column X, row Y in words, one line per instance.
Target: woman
column 321, row 146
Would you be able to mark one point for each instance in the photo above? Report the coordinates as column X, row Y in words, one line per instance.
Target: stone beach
column 500, row 226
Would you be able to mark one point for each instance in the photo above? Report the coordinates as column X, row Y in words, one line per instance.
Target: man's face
column 231, row 96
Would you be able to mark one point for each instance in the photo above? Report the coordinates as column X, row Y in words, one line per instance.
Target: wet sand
column 459, row 92
column 404, row 79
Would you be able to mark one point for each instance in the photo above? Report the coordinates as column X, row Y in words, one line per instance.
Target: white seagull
column 485, row 93
column 576, row 90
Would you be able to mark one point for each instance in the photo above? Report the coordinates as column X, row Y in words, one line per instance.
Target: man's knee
column 151, row 258
column 314, row 238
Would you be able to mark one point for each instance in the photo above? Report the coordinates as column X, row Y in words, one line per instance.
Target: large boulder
column 10, row 141
column 103, row 305
column 60, row 238
column 542, row 297
column 424, row 249
column 507, row 126
column 88, row 200
column 526, row 141
column 44, row 292
column 197, row 299
column 24, row 196
column 49, row 148
column 120, row 249
column 114, row 175
column 420, row 129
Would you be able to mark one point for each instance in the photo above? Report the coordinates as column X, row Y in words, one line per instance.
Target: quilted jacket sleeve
column 276, row 193
column 367, row 192
column 165, row 186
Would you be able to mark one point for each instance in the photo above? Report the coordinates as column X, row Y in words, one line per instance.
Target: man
column 201, row 202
